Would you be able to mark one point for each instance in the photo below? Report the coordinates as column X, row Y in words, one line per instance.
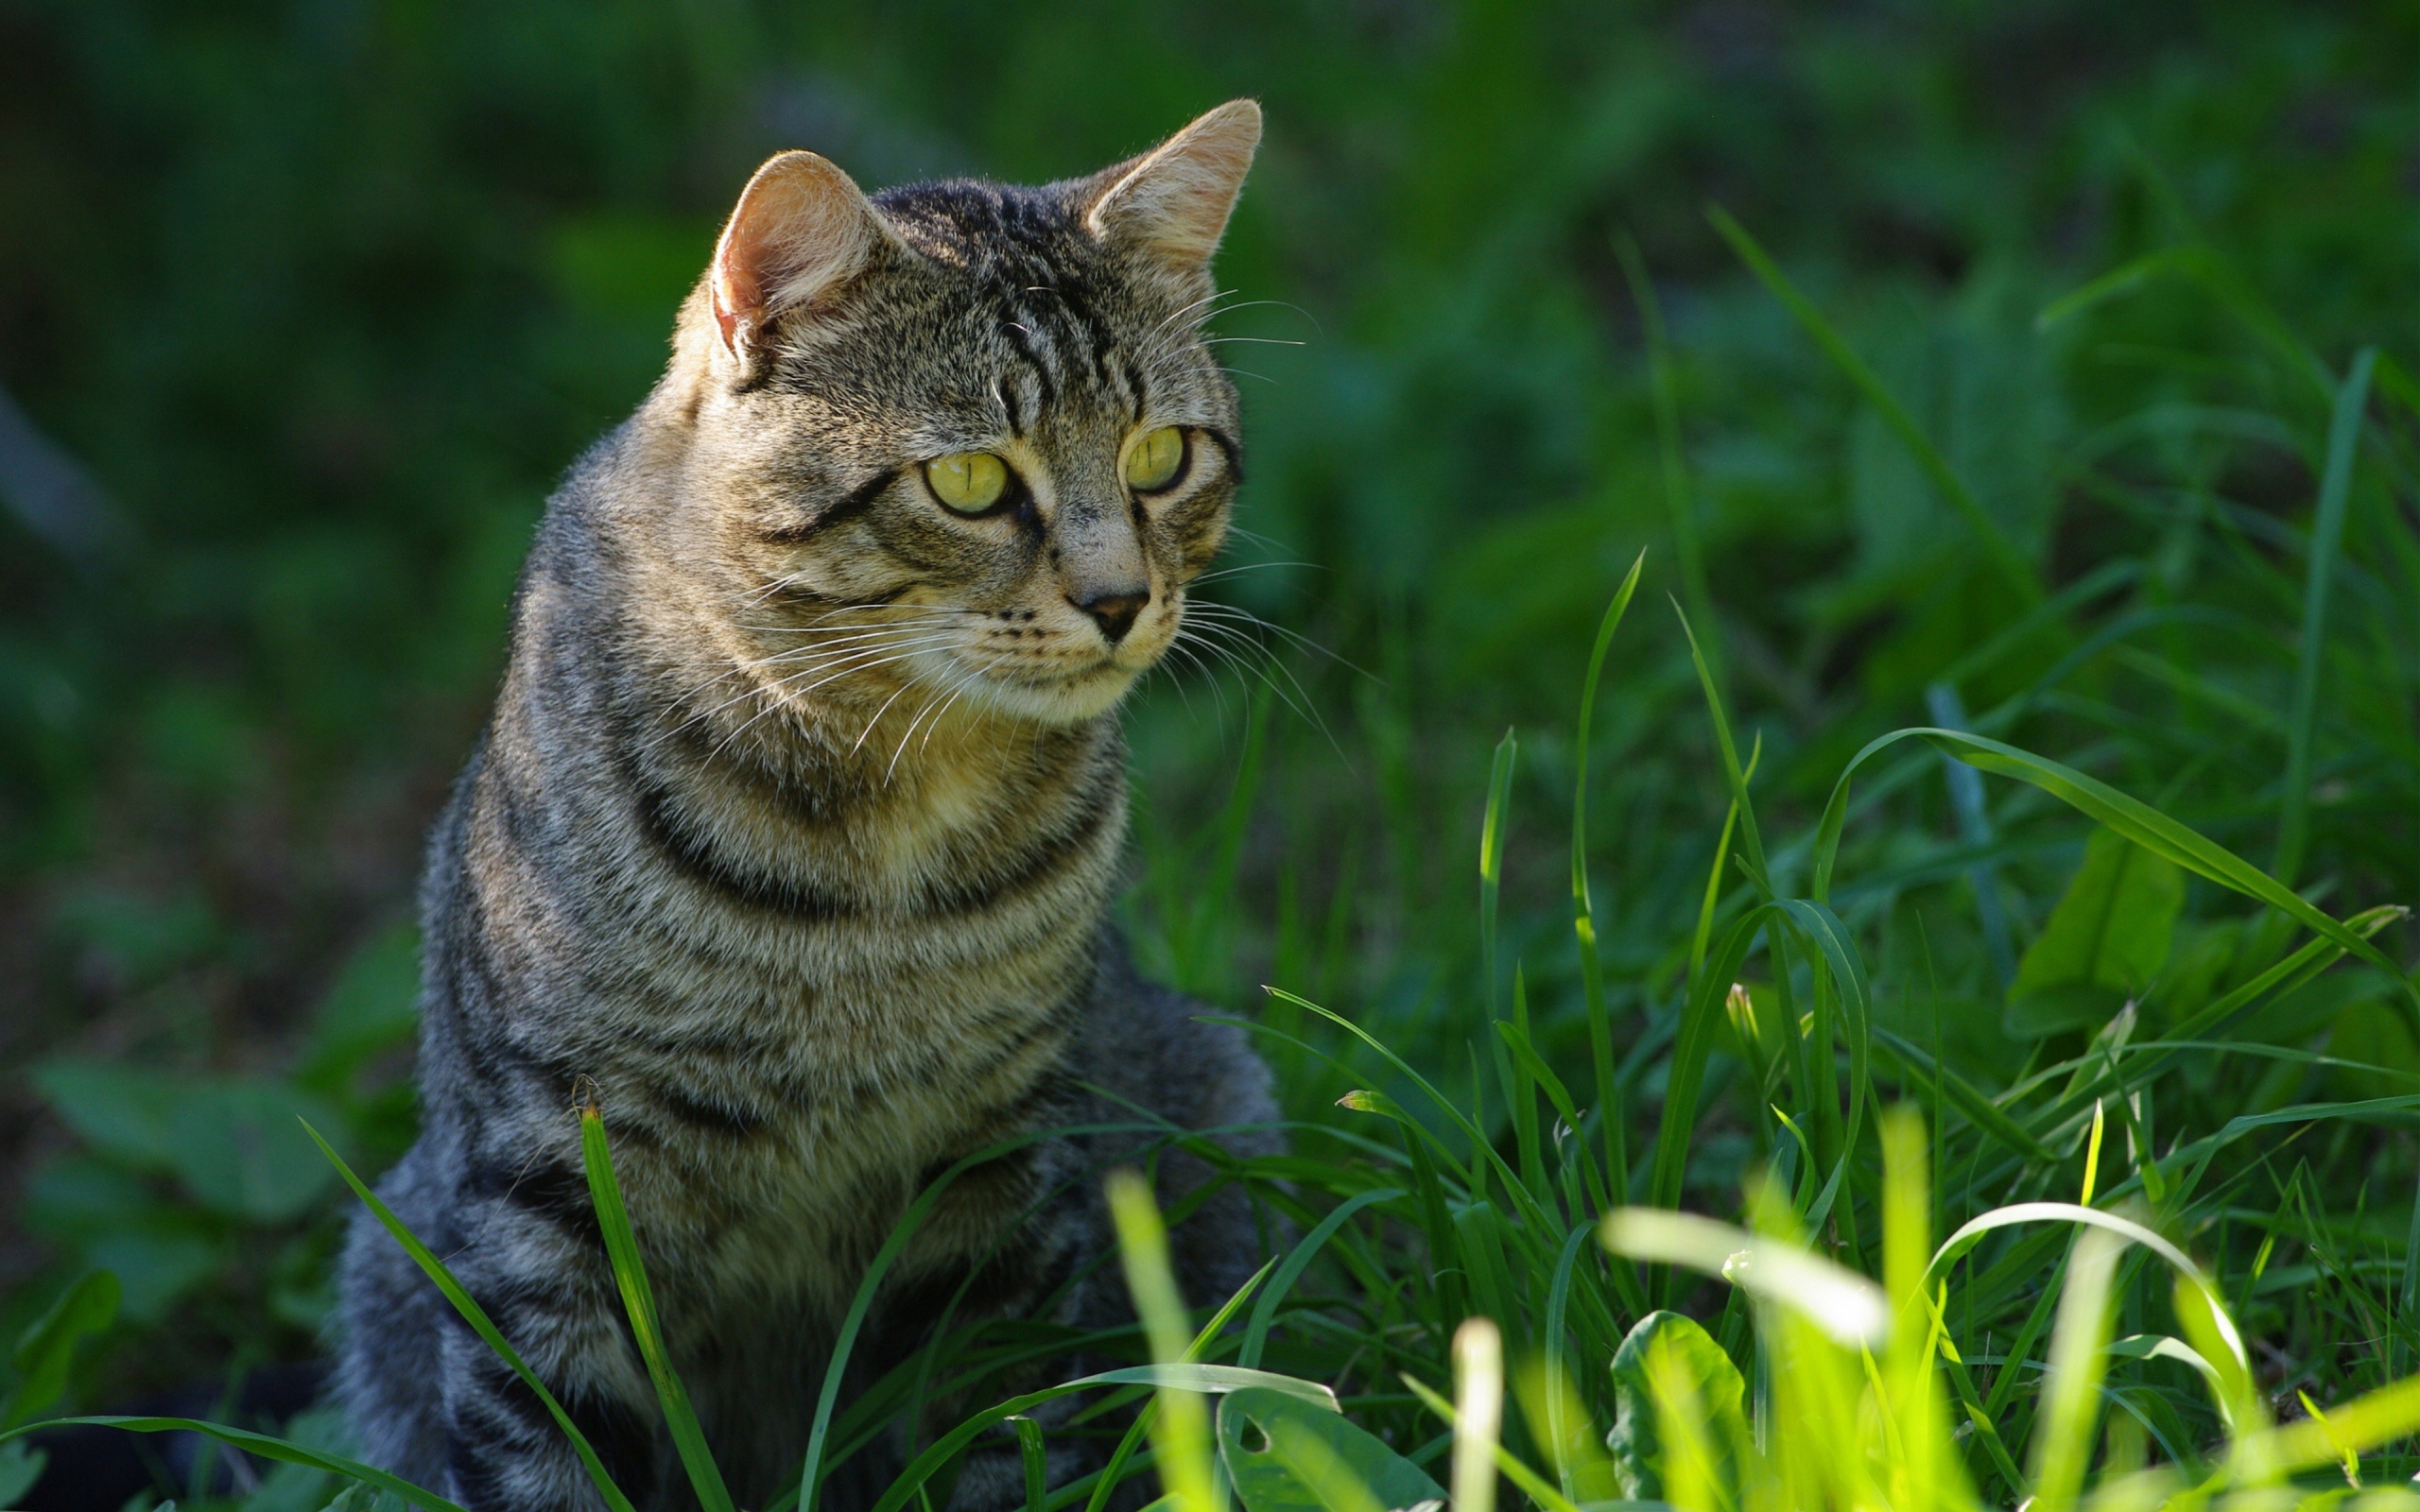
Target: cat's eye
column 968, row 482
column 1156, row 459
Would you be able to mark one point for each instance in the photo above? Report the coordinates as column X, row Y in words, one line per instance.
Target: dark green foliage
column 2040, row 414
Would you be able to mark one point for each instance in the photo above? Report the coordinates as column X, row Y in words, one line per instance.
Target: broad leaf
column 232, row 1140
column 2106, row 940
column 48, row 1348
column 1638, row 1455
column 240, row 1148
column 21, row 1465
column 1287, row 1455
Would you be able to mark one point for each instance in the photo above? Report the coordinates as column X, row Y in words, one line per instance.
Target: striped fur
column 793, row 830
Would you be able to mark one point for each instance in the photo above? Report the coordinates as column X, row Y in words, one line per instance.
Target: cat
column 792, row 836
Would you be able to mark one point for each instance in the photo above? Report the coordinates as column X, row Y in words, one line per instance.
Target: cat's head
column 964, row 440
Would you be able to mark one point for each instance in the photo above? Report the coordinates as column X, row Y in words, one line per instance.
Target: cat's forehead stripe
column 1065, row 327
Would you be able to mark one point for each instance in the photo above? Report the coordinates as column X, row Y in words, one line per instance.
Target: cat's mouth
column 1072, row 692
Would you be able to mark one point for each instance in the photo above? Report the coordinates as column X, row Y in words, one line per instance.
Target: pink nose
column 1115, row 612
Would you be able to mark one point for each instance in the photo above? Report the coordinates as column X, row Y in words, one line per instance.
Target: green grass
column 2008, row 731
column 2201, row 1113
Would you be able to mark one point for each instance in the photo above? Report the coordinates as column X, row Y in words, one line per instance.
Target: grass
column 1991, row 798
column 2184, row 1214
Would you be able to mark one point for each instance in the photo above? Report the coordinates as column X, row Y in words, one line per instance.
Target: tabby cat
column 792, row 832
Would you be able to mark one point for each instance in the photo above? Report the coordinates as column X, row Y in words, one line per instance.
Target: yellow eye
column 969, row 482
column 1156, row 459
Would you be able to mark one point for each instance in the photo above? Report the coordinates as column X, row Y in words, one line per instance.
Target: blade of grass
column 853, row 1322
column 1037, row 1463
column 264, row 1445
column 1180, row 1438
column 1758, row 874
column 2327, row 540
column 1974, row 826
column 1592, row 967
column 1532, row 1485
column 1708, row 905
column 1848, row 1308
column 1926, row 1072
column 1522, row 1086
column 1112, row 1472
column 2063, row 1448
column 2004, row 554
column 1491, row 856
column 476, row 1316
column 1478, row 1407
column 1677, row 502
column 2130, row 817
column 1264, row 1311
column 1166, row 1378
column 638, row 1301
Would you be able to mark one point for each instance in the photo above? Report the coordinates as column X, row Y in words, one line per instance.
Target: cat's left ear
column 802, row 229
column 1174, row 200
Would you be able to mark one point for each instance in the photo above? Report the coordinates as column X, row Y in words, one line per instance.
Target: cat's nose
column 1115, row 612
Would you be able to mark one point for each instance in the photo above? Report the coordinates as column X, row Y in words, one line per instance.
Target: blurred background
column 306, row 304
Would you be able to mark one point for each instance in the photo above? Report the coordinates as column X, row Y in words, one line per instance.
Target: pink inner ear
column 724, row 316
column 736, row 287
column 801, row 226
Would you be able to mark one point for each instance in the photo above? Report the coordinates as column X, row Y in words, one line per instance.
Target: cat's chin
column 1076, row 700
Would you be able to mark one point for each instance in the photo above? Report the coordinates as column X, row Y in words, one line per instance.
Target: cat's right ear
column 802, row 229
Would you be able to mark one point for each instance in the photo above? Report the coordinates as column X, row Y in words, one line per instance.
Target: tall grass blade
column 46, row 1350
column 638, row 1301
column 1532, row 1485
column 1491, row 856
column 2071, row 1414
column 1180, row 1438
column 1479, row 1408
column 1975, row 828
column 2326, row 541
column 2012, row 564
column 264, row 1445
column 853, row 1322
column 1113, row 1473
column 477, row 1318
column 1264, row 1307
column 2130, row 817
column 1037, row 1463
column 1712, row 900
column 1848, row 1308
column 1758, row 873
column 1677, row 502
column 1583, row 921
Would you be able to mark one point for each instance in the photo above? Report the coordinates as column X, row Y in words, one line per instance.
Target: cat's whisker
column 1193, row 659
column 878, row 718
column 1266, row 543
column 965, row 682
column 1208, row 659
column 922, row 633
column 1216, row 610
column 761, row 663
column 1306, row 705
column 935, row 700
column 861, row 659
column 817, row 627
column 785, row 697
column 1182, row 311
column 1240, row 568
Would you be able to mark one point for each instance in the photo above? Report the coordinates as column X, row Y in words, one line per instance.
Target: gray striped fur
column 793, row 830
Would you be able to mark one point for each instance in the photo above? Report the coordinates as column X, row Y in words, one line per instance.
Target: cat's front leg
column 505, row 1452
